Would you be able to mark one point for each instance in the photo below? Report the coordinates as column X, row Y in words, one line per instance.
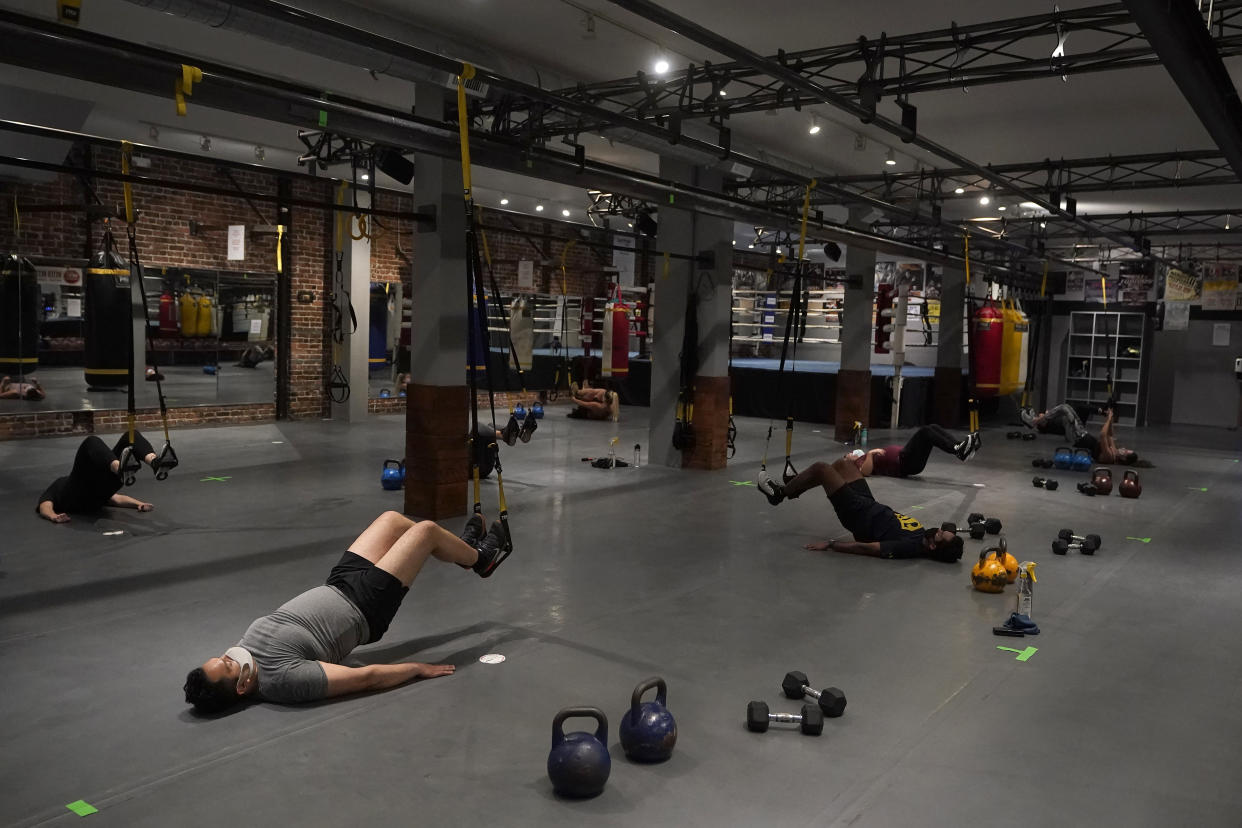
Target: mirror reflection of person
column 95, row 479
column 28, row 389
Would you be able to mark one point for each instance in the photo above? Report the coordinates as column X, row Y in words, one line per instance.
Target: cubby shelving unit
column 1106, row 345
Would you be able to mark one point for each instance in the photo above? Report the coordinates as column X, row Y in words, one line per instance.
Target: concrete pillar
column 854, row 378
column 436, row 451
column 712, row 280
column 355, row 255
column 948, row 379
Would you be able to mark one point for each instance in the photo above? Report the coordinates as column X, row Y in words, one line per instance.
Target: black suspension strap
column 972, row 399
column 167, row 459
column 563, row 366
column 476, row 306
column 504, row 315
column 338, row 382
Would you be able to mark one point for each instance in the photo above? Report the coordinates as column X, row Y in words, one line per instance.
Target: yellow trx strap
column 1043, row 285
column 806, row 208
column 966, row 254
column 184, row 85
column 127, row 151
column 564, row 273
column 280, row 237
column 463, row 126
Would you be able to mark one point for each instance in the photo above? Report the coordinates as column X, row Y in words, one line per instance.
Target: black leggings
column 918, row 448
column 92, row 480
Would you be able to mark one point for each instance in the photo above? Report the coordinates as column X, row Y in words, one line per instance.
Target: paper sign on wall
column 526, row 274
column 1220, row 333
column 237, row 242
column 256, row 326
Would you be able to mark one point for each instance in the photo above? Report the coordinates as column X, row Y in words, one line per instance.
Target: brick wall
column 61, row 423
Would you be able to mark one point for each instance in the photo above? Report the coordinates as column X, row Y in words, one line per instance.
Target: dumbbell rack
column 1103, row 343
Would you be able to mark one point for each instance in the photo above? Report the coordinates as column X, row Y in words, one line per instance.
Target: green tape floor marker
column 1140, row 540
column 82, row 808
column 1023, row 655
column 219, row 479
column 742, row 482
column 1197, row 488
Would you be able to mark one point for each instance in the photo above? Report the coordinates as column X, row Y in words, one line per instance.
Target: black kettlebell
column 578, row 763
column 648, row 731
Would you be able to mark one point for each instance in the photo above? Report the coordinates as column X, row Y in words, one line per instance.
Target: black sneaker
column 973, row 443
column 493, row 549
column 510, row 432
column 528, row 427
column 473, row 531
column 769, row 488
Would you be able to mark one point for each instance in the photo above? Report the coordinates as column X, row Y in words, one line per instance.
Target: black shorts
column 847, row 496
column 377, row 594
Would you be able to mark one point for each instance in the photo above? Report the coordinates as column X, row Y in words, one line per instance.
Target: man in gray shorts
column 295, row 654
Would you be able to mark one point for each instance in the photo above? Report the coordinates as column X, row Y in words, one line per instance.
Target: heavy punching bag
column 19, row 316
column 986, row 343
column 522, row 330
column 377, row 352
column 1014, row 347
column 615, row 353
column 107, row 323
column 168, row 313
column 189, row 314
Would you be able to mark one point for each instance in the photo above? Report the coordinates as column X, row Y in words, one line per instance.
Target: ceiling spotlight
column 538, row 208
column 890, row 159
column 1001, row 207
column 735, row 240
column 504, row 200
column 661, row 66
column 722, row 93
column 365, row 177
column 750, row 247
column 260, row 153
column 204, row 143
column 984, row 200
column 1043, row 224
column 814, row 129
column 565, row 213
column 959, row 190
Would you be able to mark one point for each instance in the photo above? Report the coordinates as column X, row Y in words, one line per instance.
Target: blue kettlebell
column 393, row 475
column 1063, row 458
column 209, row 369
column 648, row 731
column 537, row 408
column 1082, row 460
column 578, row 763
column 385, row 393
column 520, row 412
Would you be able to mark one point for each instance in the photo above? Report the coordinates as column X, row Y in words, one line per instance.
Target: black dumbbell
column 1088, row 489
column 974, row 517
column 1088, row 541
column 831, row 699
column 1045, row 483
column 758, row 718
column 1060, row 547
column 1041, row 463
column 977, row 531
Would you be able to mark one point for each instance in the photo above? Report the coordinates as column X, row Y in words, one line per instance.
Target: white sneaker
column 1027, row 416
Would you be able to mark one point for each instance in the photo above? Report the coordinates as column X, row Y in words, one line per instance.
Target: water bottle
column 1026, row 588
column 864, row 438
column 612, row 453
column 638, row 452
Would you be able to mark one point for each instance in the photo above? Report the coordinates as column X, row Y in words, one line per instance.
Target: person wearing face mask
column 878, row 530
column 295, row 654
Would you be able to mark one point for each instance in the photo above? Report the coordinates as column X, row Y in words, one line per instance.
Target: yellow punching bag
column 1013, row 348
column 204, row 315
column 189, row 314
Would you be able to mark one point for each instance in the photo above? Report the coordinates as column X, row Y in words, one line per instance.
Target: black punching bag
column 19, row 316
column 107, row 318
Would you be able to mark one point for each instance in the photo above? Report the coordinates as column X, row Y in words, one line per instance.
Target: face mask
column 243, row 657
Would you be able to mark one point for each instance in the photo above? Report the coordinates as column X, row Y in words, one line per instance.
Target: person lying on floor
column 911, row 459
column 296, row 653
column 878, row 530
column 96, row 478
column 594, row 403
column 1064, row 419
column 29, row 390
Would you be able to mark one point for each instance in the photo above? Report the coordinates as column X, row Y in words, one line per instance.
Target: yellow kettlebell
column 1007, row 560
column 989, row 575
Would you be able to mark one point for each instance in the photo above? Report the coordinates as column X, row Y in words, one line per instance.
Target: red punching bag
column 616, row 347
column 987, row 328
column 168, row 313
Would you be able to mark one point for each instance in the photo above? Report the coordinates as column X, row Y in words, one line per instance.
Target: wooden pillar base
column 437, row 456
column 711, row 425
column 853, row 402
column 948, row 396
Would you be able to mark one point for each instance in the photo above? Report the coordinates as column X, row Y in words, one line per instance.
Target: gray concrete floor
column 1126, row 715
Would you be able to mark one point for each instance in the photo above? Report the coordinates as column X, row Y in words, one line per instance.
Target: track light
column 814, row 128
column 565, row 213
column 959, row 190
column 646, row 224
column 985, row 200
column 538, row 208
column 890, row 159
column 1001, row 207
column 504, row 200
column 365, row 177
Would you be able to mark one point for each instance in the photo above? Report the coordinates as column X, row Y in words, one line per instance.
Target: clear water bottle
column 638, row 454
column 612, row 453
column 863, row 439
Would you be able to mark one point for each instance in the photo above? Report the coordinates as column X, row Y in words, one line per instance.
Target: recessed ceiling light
column 503, row 201
column 565, row 213
column 538, row 208
column 959, row 190
column 814, row 128
column 890, row 159
column 661, row 66
column 1001, row 207
column 366, row 177
column 984, row 200
column 722, row 93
